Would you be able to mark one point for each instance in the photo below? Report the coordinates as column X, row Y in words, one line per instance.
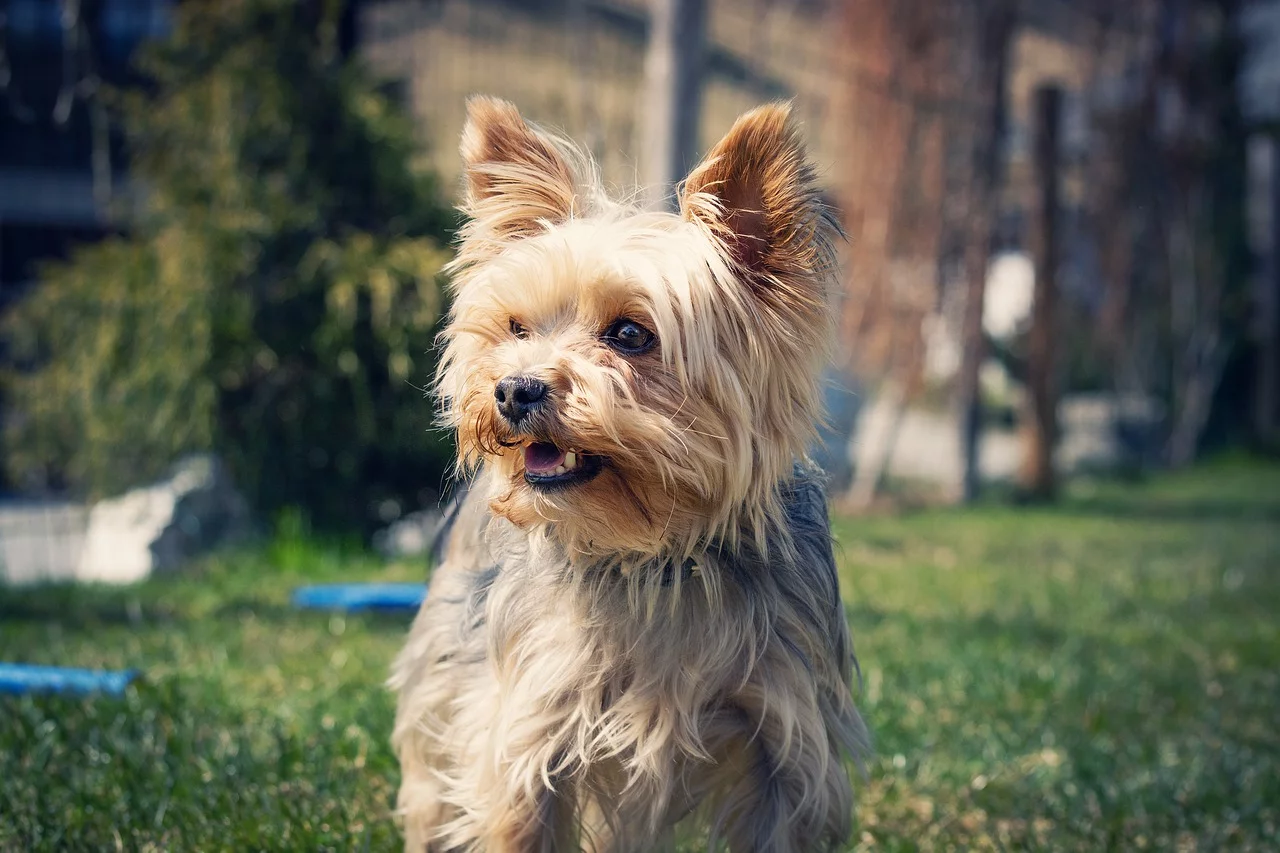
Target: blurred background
column 1055, row 403
column 221, row 226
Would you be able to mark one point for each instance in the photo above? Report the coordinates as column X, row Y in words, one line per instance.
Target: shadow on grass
column 1154, row 510
column 373, row 619
column 73, row 608
column 1026, row 629
column 76, row 610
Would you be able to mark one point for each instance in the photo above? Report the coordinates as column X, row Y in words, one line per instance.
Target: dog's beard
column 602, row 487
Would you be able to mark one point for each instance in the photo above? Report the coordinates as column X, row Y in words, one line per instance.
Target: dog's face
column 632, row 382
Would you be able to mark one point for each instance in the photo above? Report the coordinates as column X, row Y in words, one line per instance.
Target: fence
column 578, row 65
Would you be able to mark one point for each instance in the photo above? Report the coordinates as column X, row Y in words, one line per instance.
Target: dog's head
column 636, row 382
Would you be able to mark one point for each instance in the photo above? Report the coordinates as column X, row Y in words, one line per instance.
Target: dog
column 636, row 626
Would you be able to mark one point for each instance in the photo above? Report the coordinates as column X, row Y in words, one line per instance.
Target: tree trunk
column 1267, row 290
column 673, row 94
column 992, row 64
column 1193, row 413
column 1195, row 308
column 1040, row 421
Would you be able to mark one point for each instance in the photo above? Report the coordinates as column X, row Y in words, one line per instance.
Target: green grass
column 1100, row 674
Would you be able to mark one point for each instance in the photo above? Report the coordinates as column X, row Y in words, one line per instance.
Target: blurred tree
column 991, row 57
column 900, row 116
column 924, row 101
column 1171, row 174
column 1039, row 426
column 277, row 297
column 1204, row 231
column 1265, row 244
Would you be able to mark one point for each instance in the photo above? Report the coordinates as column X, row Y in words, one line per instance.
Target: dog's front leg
column 530, row 822
column 509, row 818
column 792, row 793
column 514, row 791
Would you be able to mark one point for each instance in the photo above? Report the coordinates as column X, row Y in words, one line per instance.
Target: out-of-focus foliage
column 276, row 298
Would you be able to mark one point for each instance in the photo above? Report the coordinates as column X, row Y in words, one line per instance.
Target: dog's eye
column 516, row 329
column 629, row 337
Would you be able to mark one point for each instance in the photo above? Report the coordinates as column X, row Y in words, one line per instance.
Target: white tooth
column 558, row 470
column 570, row 459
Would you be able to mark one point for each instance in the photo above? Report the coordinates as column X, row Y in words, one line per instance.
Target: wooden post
column 1040, row 418
column 992, row 64
column 1264, row 180
column 673, row 94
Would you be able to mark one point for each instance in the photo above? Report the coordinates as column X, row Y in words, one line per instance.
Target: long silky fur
column 666, row 644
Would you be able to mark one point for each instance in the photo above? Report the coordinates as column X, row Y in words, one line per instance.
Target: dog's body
column 637, row 618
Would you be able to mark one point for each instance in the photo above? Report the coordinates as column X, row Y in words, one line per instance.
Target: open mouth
column 547, row 466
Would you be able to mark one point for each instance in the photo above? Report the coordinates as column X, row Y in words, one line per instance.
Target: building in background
column 61, row 163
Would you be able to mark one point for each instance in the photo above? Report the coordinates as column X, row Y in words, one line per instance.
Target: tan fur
column 597, row 663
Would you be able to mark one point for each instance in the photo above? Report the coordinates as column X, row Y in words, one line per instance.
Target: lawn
column 1100, row 674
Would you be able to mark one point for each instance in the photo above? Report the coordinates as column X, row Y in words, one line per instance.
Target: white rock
column 157, row 528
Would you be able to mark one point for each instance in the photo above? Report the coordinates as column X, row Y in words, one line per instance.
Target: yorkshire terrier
column 636, row 625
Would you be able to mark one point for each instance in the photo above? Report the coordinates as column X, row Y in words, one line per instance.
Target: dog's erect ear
column 516, row 177
column 756, row 193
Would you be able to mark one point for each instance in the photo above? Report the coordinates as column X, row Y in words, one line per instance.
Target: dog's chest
column 607, row 650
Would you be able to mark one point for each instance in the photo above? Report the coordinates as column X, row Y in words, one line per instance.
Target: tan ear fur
column 516, row 177
column 756, row 192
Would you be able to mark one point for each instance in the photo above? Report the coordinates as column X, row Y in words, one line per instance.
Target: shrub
column 275, row 299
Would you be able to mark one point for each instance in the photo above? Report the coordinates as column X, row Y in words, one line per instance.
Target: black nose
column 517, row 396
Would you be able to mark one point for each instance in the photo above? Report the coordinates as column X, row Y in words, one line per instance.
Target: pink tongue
column 541, row 457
